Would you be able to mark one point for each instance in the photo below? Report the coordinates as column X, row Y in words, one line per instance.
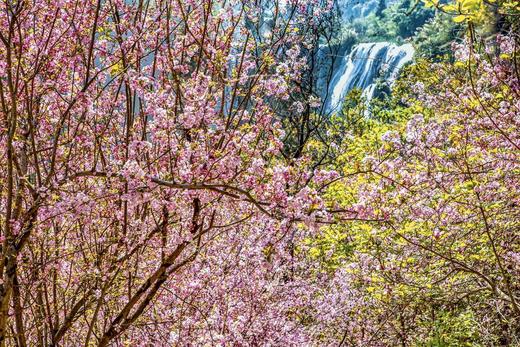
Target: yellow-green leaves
column 460, row 18
column 462, row 10
column 431, row 3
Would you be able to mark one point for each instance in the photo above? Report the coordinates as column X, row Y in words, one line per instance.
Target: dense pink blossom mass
column 144, row 200
column 150, row 194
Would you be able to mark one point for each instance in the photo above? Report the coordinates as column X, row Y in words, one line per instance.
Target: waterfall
column 363, row 66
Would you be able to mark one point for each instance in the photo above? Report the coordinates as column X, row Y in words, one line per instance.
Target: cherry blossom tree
column 144, row 198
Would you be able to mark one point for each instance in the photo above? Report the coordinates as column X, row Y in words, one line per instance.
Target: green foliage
column 452, row 329
column 433, row 39
column 403, row 19
column 357, row 132
column 396, row 22
column 331, row 248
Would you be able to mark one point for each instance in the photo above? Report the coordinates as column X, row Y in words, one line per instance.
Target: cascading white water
column 362, row 67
